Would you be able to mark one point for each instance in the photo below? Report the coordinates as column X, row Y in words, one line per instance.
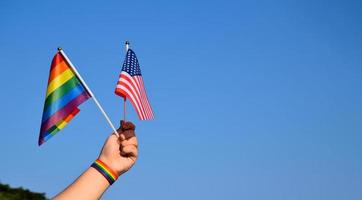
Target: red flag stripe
column 131, row 79
column 144, row 97
column 131, row 85
column 136, row 86
column 123, row 90
column 139, row 82
column 141, row 97
column 130, row 89
column 135, row 100
column 143, row 91
column 130, row 96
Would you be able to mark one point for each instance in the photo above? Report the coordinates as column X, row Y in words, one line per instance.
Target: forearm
column 90, row 185
column 118, row 155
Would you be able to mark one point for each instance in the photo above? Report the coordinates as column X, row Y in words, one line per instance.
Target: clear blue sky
column 253, row 99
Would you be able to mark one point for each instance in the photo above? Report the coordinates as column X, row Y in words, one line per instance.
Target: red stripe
column 62, row 113
column 57, row 70
column 54, row 70
column 135, row 78
column 145, row 98
column 147, row 104
column 119, row 90
column 71, row 115
column 135, row 88
column 136, row 103
column 108, row 168
column 131, row 80
column 58, row 58
column 144, row 106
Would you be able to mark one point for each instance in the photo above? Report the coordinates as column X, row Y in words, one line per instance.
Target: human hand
column 120, row 153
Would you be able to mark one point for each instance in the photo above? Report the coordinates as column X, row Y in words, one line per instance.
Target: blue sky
column 253, row 99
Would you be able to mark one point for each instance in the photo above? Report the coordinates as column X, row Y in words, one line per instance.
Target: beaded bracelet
column 106, row 171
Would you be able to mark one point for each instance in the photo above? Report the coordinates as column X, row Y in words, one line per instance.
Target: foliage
column 8, row 193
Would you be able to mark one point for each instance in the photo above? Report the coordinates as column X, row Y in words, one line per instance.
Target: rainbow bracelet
column 107, row 172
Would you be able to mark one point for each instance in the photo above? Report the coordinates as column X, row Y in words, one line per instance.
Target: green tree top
column 8, row 193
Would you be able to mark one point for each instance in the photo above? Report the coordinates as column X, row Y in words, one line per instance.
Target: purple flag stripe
column 62, row 113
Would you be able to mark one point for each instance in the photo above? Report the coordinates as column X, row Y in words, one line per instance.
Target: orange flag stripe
column 57, row 69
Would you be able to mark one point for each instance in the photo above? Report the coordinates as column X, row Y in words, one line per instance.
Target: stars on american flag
column 130, row 85
column 131, row 66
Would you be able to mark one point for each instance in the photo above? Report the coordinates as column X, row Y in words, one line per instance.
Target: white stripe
column 138, row 89
column 135, row 92
column 143, row 91
column 144, row 101
column 131, row 78
column 132, row 99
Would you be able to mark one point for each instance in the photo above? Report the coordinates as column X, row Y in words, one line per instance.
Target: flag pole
column 124, row 98
column 88, row 90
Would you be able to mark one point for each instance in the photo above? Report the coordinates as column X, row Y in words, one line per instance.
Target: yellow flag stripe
column 62, row 124
column 59, row 81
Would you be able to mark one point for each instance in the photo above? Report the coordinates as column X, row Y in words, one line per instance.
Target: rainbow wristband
column 107, row 172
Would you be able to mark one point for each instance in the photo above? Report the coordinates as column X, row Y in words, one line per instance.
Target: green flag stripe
column 62, row 90
column 54, row 129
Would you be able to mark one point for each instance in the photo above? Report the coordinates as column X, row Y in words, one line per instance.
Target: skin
column 119, row 153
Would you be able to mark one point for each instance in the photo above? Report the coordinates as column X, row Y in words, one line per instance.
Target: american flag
column 130, row 85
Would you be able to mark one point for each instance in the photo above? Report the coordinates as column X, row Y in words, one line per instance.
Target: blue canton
column 131, row 65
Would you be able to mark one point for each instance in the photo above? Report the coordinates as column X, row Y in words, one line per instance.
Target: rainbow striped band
column 107, row 172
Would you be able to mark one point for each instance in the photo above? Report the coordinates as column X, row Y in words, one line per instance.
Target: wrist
column 115, row 166
column 105, row 170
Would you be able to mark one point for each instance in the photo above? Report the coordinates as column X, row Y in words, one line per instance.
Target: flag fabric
column 64, row 94
column 130, row 85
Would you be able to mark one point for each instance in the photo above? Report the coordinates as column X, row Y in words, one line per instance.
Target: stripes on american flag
column 130, row 85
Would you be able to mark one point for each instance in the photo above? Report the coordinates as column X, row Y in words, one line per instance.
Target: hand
column 120, row 153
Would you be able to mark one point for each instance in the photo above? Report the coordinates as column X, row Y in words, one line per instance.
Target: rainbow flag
column 64, row 94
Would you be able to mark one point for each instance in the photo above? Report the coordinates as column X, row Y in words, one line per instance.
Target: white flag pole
column 124, row 98
column 89, row 91
column 127, row 45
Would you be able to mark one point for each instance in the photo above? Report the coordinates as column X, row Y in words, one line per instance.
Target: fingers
column 127, row 139
column 129, row 147
column 127, row 134
column 126, row 130
column 127, row 126
column 131, row 141
column 129, row 151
